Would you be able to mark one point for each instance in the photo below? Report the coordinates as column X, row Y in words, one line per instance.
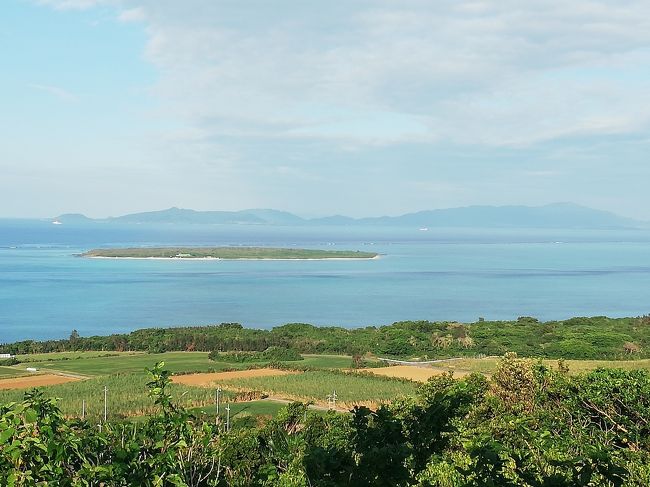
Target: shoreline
column 220, row 258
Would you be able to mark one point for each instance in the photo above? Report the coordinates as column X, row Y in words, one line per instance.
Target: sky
column 355, row 107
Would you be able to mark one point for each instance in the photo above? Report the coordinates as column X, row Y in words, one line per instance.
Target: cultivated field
column 89, row 363
column 351, row 388
column 241, row 410
column 211, row 378
column 55, row 356
column 127, row 396
column 11, row 372
column 489, row 364
column 104, row 363
column 325, row 361
column 27, row 382
column 419, row 374
column 124, row 376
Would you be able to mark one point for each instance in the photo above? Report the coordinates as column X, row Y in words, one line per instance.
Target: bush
column 281, row 354
column 233, row 357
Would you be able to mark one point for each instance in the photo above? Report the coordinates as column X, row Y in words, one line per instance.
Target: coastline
column 220, row 258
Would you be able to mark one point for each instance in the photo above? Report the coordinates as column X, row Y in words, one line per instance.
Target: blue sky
column 362, row 107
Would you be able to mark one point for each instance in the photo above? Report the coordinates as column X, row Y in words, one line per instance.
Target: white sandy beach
column 219, row 258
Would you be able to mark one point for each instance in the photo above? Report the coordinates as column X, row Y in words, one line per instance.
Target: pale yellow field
column 34, row 381
column 420, row 374
column 488, row 365
column 208, row 379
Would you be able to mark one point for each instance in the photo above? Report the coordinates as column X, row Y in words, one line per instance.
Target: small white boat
column 57, row 222
column 424, row 229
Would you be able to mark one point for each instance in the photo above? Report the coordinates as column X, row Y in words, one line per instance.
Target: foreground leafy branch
column 526, row 426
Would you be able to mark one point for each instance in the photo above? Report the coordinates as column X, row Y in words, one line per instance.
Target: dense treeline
column 576, row 338
column 527, row 426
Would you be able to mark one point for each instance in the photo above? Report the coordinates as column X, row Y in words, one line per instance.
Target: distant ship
column 424, row 229
column 57, row 222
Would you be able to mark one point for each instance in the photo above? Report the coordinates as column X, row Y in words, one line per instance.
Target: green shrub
column 281, row 354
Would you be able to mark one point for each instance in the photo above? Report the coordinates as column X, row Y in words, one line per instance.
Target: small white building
column 6, row 355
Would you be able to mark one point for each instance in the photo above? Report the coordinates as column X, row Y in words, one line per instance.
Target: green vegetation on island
column 227, row 253
column 596, row 338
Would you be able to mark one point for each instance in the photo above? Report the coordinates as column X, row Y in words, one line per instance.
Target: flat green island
column 226, row 253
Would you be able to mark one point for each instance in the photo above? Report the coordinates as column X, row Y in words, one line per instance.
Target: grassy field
column 127, row 396
column 489, row 364
column 227, row 253
column 240, row 409
column 132, row 363
column 92, row 363
column 6, row 372
column 56, row 356
column 325, row 361
column 317, row 385
column 124, row 375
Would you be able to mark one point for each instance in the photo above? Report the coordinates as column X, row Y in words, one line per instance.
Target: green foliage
column 577, row 338
column 528, row 426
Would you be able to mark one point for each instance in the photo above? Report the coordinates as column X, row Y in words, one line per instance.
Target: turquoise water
column 46, row 291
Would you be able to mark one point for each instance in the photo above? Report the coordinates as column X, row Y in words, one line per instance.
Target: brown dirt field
column 34, row 381
column 420, row 374
column 207, row 379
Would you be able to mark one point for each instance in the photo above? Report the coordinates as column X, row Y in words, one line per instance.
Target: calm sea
column 440, row 274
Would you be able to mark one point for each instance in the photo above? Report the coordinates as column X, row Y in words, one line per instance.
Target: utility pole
column 331, row 400
column 105, row 403
column 228, row 417
column 83, row 409
column 217, row 398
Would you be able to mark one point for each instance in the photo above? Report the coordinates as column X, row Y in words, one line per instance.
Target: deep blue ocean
column 440, row 274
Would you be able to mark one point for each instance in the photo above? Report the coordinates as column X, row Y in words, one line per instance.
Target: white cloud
column 480, row 72
column 74, row 4
column 136, row 14
column 269, row 93
column 55, row 91
column 495, row 73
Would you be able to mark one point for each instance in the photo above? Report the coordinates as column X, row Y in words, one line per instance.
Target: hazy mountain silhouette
column 557, row 215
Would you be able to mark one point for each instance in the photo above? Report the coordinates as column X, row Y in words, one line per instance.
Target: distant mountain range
column 557, row 215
